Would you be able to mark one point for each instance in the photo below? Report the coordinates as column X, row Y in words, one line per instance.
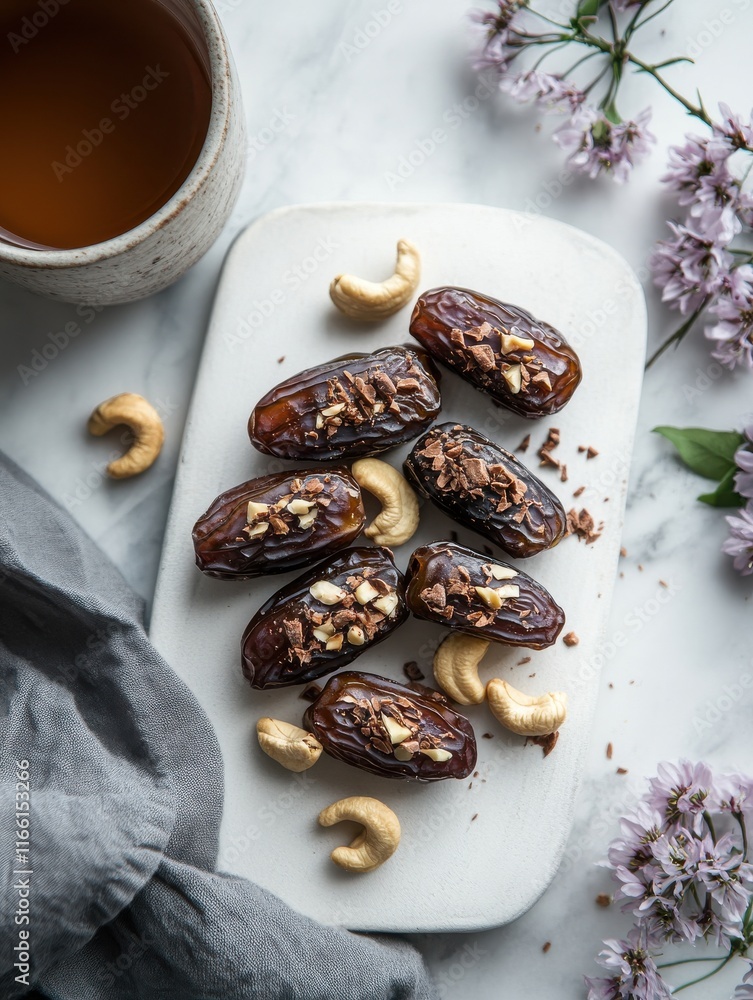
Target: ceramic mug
column 156, row 253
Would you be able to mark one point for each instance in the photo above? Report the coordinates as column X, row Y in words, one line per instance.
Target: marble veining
column 341, row 124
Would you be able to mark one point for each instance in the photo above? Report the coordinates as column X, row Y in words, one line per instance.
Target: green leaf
column 588, row 8
column 707, row 453
column 724, row 495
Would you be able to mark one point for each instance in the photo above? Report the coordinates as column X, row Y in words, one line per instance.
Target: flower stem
column 687, row 961
column 678, row 334
column 692, row 109
column 708, row 975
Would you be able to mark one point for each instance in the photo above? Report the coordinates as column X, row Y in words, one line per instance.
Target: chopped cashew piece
column 300, row 506
column 378, row 840
column 456, row 667
column 397, row 733
column 255, row 510
column 326, row 592
column 259, row 529
column 510, row 342
column 137, row 413
column 370, row 301
column 365, row 593
column 294, row 748
column 514, row 378
column 386, row 604
column 490, row 597
column 523, row 714
column 398, row 519
column 501, row 572
column 356, row 635
column 437, row 754
column 336, row 642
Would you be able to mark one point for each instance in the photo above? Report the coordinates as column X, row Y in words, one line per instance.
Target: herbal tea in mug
column 105, row 110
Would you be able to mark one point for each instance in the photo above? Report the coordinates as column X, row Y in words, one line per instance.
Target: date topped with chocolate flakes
column 470, row 592
column 324, row 619
column 358, row 404
column 522, row 363
column 485, row 488
column 392, row 730
column 277, row 523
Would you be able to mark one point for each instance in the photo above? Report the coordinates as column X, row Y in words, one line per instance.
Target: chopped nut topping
column 256, row 510
column 500, row 572
column 510, row 342
column 387, row 603
column 489, row 596
column 437, row 754
column 397, row 733
column 300, row 506
column 327, row 592
column 336, row 642
column 324, row 632
column 513, row 377
column 356, row 636
column 365, row 593
column 402, row 754
column 258, row 530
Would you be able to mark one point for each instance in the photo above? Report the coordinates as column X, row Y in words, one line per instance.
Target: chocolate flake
column 571, row 639
column 412, row 672
column 581, row 524
column 523, row 446
column 547, row 743
column 311, row 692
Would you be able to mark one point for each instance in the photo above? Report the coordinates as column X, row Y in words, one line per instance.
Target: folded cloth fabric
column 110, row 806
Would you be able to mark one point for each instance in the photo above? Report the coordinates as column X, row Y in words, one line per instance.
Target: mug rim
column 219, row 62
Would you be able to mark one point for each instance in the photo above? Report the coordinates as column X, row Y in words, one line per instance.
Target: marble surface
column 330, row 121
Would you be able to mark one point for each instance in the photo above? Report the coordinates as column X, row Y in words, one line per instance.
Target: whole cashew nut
column 371, row 301
column 523, row 714
column 398, row 519
column 137, row 413
column 456, row 667
column 378, row 840
column 294, row 748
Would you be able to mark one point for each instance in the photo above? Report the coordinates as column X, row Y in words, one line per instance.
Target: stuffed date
column 392, row 730
column 358, row 404
column 277, row 523
column 472, row 593
column 324, row 619
column 485, row 488
column 522, row 363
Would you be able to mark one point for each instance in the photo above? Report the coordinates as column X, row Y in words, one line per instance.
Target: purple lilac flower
column 745, row 990
column 733, row 333
column 740, row 542
column 551, row 92
column 700, row 157
column 680, row 792
column 499, row 37
column 639, row 830
column 595, row 145
column 733, row 130
column 635, row 974
column 744, row 462
column 735, row 791
column 714, row 207
column 689, row 268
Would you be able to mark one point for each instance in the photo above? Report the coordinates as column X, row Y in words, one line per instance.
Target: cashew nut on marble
column 456, row 667
column 398, row 519
column 523, row 714
column 294, row 748
column 378, row 840
column 371, row 301
column 132, row 411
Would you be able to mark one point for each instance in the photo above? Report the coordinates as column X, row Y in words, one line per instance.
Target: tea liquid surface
column 104, row 109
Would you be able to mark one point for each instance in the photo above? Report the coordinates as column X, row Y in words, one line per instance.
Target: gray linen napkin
column 125, row 780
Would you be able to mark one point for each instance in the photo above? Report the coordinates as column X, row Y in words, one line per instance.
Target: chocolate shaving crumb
column 280, row 359
column 311, row 693
column 526, row 659
column 487, row 736
column 563, row 473
column 475, row 816
column 663, row 583
column 623, row 552
column 577, row 493
column 523, row 446
column 571, row 639
column 622, row 770
column 546, row 946
column 603, row 900
column 294, row 632
column 547, row 743
column 610, row 751
column 591, row 452
column 581, row 524
column 413, row 671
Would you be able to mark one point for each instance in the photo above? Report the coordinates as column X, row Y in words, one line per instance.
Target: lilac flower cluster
column 681, row 864
column 697, row 269
column 739, row 545
column 596, row 143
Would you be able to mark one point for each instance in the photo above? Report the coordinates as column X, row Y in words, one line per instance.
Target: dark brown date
column 485, row 488
column 277, row 523
column 522, row 363
column 472, row 593
column 358, row 404
column 392, row 730
column 324, row 619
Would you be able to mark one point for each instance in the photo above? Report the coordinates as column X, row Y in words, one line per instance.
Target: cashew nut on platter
column 135, row 412
column 523, row 714
column 456, row 667
column 378, row 840
column 398, row 519
column 289, row 745
column 370, row 300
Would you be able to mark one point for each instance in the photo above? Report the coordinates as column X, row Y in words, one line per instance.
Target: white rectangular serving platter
column 474, row 853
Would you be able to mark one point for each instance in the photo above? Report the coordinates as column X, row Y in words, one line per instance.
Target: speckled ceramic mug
column 156, row 253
